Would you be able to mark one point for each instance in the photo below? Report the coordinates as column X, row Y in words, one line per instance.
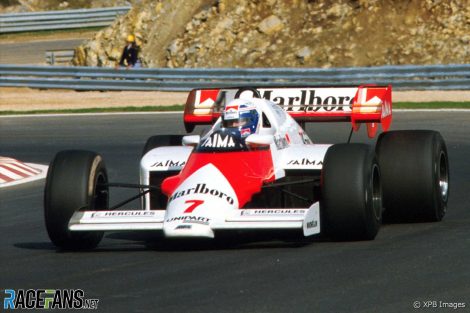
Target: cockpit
column 239, row 119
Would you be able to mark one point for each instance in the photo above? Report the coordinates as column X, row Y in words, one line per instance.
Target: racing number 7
column 194, row 205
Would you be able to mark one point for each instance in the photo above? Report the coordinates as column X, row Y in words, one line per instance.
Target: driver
column 241, row 114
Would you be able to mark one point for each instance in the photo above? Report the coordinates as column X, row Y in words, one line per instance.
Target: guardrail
column 411, row 77
column 59, row 56
column 63, row 19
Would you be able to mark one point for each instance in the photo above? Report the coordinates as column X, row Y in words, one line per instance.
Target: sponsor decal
column 190, row 219
column 183, row 227
column 219, row 141
column 307, row 100
column 62, row 299
column 245, row 132
column 281, row 142
column 207, row 98
column 305, row 161
column 231, row 112
column 312, row 224
column 201, row 189
column 271, row 212
column 231, row 108
column 168, row 163
column 135, row 213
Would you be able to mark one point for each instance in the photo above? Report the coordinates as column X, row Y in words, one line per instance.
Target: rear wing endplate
column 364, row 104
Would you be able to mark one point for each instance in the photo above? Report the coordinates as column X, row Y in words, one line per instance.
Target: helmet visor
column 240, row 122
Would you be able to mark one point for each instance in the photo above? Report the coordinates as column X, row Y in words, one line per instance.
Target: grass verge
column 431, row 105
column 180, row 107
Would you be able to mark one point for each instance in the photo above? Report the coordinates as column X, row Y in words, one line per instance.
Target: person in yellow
column 130, row 54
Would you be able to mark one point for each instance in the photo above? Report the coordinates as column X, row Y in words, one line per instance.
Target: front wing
column 305, row 219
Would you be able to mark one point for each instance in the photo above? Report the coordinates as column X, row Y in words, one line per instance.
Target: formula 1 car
column 257, row 169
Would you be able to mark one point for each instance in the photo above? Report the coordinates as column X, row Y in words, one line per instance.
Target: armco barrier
column 411, row 77
column 63, row 19
column 63, row 57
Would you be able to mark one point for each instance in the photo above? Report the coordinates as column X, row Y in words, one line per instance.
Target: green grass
column 431, row 105
column 180, row 107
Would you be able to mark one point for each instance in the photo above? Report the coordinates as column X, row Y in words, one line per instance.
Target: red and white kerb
column 13, row 170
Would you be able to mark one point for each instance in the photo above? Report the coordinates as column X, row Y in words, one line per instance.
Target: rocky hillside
column 155, row 25
column 281, row 33
column 325, row 34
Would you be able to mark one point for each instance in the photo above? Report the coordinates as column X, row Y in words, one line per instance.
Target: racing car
column 257, row 169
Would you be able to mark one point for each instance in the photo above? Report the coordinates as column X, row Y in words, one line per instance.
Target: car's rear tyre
column 415, row 175
column 75, row 180
column 256, row 93
column 351, row 193
column 162, row 141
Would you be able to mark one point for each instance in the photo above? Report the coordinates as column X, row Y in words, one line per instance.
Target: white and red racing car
column 257, row 169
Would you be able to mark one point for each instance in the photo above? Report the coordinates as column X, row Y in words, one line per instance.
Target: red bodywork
column 256, row 166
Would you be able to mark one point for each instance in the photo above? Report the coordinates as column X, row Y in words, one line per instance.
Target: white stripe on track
column 28, row 171
column 10, row 174
column 28, row 168
column 41, row 175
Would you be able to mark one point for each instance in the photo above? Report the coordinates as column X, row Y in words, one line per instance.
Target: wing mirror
column 191, row 140
column 255, row 140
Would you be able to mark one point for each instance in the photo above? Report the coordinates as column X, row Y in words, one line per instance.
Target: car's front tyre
column 76, row 180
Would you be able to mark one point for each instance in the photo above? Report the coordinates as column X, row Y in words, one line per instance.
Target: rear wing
column 364, row 104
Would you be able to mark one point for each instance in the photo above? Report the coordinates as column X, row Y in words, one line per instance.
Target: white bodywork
column 217, row 207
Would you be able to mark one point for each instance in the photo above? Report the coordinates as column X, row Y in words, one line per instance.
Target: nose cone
column 201, row 200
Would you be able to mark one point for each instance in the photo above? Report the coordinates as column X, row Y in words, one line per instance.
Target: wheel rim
column 443, row 176
column 376, row 192
column 100, row 196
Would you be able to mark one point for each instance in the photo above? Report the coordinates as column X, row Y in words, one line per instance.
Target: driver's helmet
column 241, row 114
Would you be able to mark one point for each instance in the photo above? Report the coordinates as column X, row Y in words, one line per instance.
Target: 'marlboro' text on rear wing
column 363, row 104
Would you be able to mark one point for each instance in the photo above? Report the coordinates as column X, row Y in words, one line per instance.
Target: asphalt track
column 33, row 52
column 404, row 264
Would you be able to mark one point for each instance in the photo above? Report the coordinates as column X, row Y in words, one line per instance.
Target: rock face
column 270, row 25
column 155, row 24
column 296, row 33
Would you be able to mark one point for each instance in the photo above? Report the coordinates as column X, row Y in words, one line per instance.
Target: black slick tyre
column 162, row 141
column 415, row 175
column 74, row 181
column 351, row 203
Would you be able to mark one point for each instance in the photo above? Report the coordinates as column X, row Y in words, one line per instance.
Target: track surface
column 405, row 263
column 33, row 52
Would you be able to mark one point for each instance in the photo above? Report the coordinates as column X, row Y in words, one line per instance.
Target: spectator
column 129, row 57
